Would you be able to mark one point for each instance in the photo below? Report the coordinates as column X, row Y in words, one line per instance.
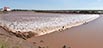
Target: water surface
column 89, row 35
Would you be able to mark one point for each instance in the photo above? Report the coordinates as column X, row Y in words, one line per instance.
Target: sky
column 53, row 4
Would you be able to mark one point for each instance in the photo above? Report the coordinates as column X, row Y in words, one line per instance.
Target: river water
column 89, row 35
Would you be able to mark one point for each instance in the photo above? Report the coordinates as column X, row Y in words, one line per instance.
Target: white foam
column 45, row 25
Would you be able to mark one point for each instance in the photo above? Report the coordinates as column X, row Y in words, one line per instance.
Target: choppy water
column 41, row 24
column 85, row 36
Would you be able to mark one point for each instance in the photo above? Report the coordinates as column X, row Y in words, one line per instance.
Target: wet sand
column 85, row 36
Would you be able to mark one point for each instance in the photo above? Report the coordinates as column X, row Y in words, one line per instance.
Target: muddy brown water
column 84, row 36
column 89, row 35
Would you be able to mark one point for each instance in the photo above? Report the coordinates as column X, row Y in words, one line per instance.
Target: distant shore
column 60, row 11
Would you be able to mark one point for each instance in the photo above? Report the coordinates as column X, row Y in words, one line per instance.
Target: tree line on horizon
column 65, row 11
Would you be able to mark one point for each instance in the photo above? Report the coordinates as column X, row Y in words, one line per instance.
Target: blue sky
column 52, row 4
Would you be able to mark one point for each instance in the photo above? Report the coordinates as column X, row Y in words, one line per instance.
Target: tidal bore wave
column 26, row 26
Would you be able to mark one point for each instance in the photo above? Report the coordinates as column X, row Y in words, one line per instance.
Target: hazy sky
column 53, row 4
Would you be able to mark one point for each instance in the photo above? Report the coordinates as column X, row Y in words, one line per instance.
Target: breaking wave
column 28, row 25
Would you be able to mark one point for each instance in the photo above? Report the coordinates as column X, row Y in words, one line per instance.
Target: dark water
column 85, row 36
